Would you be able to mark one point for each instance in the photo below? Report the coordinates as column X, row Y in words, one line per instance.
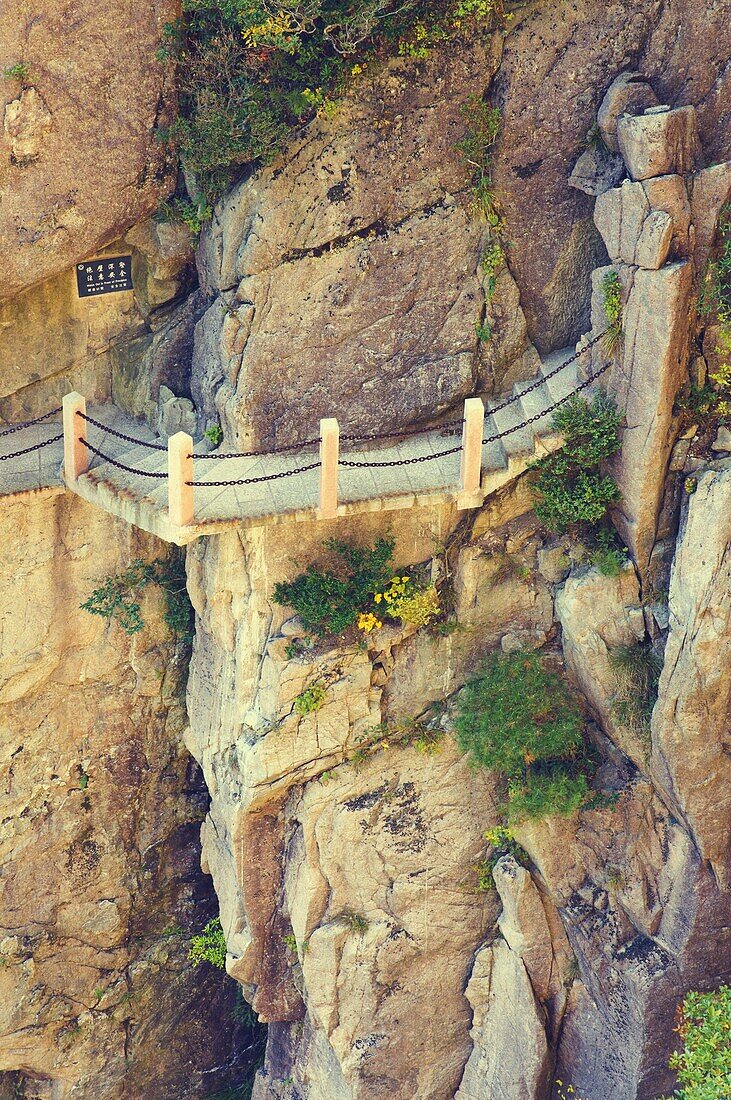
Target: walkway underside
column 276, row 491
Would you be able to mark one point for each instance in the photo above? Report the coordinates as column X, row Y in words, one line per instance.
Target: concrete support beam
column 76, row 457
column 470, row 494
column 329, row 456
column 180, row 476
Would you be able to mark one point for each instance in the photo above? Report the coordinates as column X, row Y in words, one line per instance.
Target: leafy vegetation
column 356, row 922
column 716, row 299
column 209, row 945
column 503, row 843
column 608, row 555
column 358, row 589
column 19, row 71
column 636, row 669
column 569, row 485
column 703, row 1064
column 612, row 293
column 118, row 597
column 519, row 719
column 311, row 699
column 192, row 214
column 250, row 71
column 483, row 127
column 214, row 434
column 330, row 600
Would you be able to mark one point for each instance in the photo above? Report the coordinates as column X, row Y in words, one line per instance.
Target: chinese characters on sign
column 104, row 276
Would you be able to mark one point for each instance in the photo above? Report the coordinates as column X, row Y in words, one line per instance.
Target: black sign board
column 105, row 276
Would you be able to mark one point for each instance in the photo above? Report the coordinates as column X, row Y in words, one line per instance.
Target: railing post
column 470, row 493
column 329, row 457
column 76, row 457
column 180, row 473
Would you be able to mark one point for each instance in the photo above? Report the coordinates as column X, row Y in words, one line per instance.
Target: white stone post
column 76, row 457
column 470, row 493
column 180, row 474
column 329, row 456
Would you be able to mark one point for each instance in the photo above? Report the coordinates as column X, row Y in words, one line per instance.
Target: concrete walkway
column 142, row 501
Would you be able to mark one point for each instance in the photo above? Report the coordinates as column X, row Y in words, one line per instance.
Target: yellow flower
column 404, row 579
column 378, row 597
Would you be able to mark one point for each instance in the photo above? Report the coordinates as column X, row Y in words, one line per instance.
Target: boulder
column 670, row 194
column 659, row 142
column 598, row 614
column 722, row 442
column 633, row 231
column 80, row 160
column 596, row 171
column 710, row 192
column 628, row 94
column 176, row 414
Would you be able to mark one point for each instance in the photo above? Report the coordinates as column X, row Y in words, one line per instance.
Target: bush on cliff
column 250, row 71
column 569, row 485
column 703, row 1063
column 519, row 719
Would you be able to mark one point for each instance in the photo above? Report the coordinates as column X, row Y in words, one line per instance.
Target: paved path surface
column 143, row 501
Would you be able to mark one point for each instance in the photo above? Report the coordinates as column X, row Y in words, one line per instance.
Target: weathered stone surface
column 121, row 345
column 596, row 171
column 659, row 142
column 679, row 48
column 391, row 843
column 510, row 1059
column 710, row 192
column 645, row 383
column 176, row 414
column 722, row 442
column 692, row 720
column 26, row 124
column 396, row 373
column 633, row 232
column 669, row 193
column 627, row 94
column 79, row 159
column 99, row 833
column 597, row 614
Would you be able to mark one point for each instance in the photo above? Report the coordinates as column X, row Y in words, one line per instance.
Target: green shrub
column 502, row 843
column 636, row 671
column 519, row 719
column 18, row 71
column 209, row 945
column 356, row 922
column 192, row 214
column 612, row 293
column 716, row 298
column 608, row 555
column 545, row 794
column 569, row 485
column 483, row 127
column 250, row 72
column 329, row 600
column 703, row 1064
column 311, row 699
column 117, row 598
column 214, row 434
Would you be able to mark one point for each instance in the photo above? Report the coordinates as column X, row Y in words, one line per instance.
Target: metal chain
column 121, row 465
column 29, row 423
column 549, row 408
column 120, row 435
column 490, row 439
column 445, row 429
column 539, row 381
column 254, row 480
column 35, row 447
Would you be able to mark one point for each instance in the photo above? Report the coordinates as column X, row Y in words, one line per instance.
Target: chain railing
column 179, row 473
column 34, row 446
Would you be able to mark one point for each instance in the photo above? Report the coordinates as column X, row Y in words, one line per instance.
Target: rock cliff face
column 99, row 835
column 81, row 97
column 348, row 863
